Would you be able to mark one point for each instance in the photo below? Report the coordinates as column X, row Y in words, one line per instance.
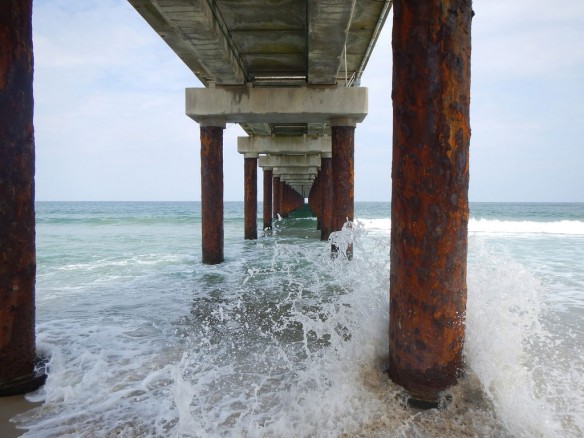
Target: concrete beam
column 289, row 161
column 304, row 190
column 300, row 181
column 328, row 26
column 309, row 170
column 257, row 128
column 294, row 179
column 297, row 177
column 305, row 185
column 297, row 190
column 197, row 35
column 276, row 105
column 284, row 145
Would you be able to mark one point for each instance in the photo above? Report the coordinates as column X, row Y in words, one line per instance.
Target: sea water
column 283, row 341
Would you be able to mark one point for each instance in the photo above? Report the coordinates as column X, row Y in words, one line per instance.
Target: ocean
column 283, row 341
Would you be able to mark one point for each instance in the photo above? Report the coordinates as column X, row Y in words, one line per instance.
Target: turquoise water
column 280, row 340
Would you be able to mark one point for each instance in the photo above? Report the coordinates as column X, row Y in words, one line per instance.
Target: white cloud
column 528, row 39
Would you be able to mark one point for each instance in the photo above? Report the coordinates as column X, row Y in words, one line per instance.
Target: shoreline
column 9, row 408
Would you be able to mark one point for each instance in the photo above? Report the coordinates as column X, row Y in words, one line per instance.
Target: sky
column 110, row 123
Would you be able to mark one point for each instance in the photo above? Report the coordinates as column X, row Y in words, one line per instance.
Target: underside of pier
column 289, row 73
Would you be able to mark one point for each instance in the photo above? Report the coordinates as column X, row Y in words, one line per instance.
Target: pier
column 17, row 215
column 289, row 73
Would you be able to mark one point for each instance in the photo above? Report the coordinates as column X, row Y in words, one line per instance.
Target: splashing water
column 282, row 340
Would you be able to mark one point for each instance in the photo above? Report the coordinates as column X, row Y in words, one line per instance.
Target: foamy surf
column 494, row 226
column 284, row 341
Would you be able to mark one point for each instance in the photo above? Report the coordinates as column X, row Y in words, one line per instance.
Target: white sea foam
column 331, row 381
column 375, row 224
column 495, row 226
column 103, row 380
column 286, row 342
column 503, row 310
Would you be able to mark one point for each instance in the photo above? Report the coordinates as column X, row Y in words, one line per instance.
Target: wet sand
column 9, row 407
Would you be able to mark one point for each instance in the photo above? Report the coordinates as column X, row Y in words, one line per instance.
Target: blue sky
column 110, row 123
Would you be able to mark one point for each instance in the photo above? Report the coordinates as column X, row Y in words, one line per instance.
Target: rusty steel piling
column 17, row 213
column 212, row 194
column 429, row 208
column 326, row 191
column 267, row 213
column 343, row 151
column 282, row 202
column 313, row 202
column 276, row 196
column 250, row 204
column 293, row 200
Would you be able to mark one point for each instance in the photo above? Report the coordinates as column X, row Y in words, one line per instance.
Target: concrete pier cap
column 217, row 122
column 308, row 170
column 344, row 121
column 242, row 104
column 297, row 178
column 299, row 145
column 277, row 161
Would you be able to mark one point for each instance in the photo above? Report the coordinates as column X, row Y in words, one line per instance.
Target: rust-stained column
column 343, row 134
column 295, row 199
column 285, row 199
column 299, row 200
column 343, row 150
column 313, row 201
column 212, row 191
column 326, row 191
column 318, row 199
column 250, row 204
column 276, row 196
column 282, row 201
column 17, row 215
column 429, row 208
column 282, row 193
column 268, row 174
